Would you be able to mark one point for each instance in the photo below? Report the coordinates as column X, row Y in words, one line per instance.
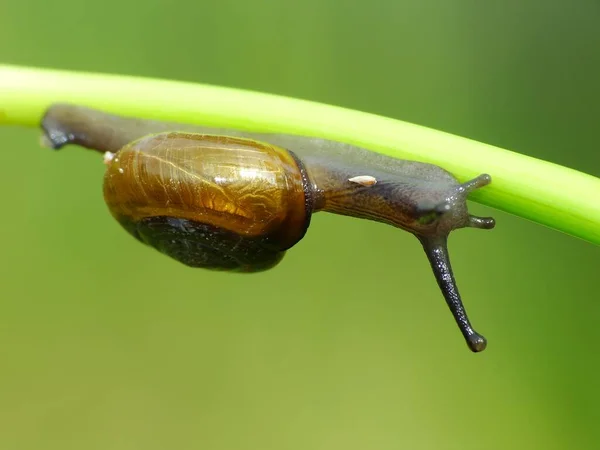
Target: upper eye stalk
column 230, row 200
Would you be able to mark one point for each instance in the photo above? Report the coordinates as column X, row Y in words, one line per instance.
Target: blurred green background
column 348, row 344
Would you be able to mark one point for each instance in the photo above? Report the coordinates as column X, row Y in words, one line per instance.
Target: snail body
column 237, row 201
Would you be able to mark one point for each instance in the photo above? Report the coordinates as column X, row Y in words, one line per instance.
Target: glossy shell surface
column 249, row 188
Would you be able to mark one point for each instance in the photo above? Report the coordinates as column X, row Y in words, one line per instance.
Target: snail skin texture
column 230, row 200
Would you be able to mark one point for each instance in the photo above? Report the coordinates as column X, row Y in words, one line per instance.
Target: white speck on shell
column 364, row 180
column 108, row 157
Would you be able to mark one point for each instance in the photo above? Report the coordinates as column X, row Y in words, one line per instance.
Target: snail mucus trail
column 231, row 200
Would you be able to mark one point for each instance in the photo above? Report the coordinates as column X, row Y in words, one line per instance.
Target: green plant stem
column 549, row 194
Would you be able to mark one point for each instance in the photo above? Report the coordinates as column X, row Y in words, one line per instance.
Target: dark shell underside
column 200, row 245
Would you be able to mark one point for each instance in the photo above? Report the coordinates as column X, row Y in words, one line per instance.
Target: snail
column 231, row 200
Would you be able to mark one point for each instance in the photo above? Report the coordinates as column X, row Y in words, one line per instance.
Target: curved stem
column 555, row 196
